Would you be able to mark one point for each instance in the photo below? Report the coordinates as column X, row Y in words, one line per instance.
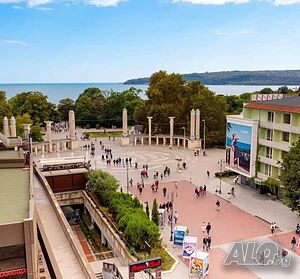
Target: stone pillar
column 6, row 131
column 192, row 128
column 142, row 140
column 134, row 140
column 72, row 125
column 49, row 134
column 43, row 149
column 171, row 129
column 164, row 141
column 125, row 128
column 150, row 130
column 26, row 128
column 13, row 130
column 197, row 124
column 178, row 142
column 157, row 141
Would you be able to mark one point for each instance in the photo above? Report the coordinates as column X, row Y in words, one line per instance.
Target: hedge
column 126, row 211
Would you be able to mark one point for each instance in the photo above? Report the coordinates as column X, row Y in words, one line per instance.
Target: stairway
column 99, row 275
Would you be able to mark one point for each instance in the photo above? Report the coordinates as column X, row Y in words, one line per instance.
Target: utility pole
column 172, row 210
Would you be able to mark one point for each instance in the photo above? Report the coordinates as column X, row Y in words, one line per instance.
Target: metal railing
column 108, row 267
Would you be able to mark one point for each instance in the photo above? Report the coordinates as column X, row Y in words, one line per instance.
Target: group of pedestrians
column 167, row 205
column 206, row 241
column 200, row 191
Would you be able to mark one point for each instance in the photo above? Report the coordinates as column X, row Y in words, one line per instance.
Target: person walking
column 164, row 191
column 203, row 227
column 208, row 228
column 204, row 241
column 218, row 204
column 140, row 189
column 293, row 244
column 176, row 216
column 207, row 174
column 272, row 228
column 208, row 243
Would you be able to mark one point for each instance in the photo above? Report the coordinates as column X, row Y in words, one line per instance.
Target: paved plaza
column 245, row 217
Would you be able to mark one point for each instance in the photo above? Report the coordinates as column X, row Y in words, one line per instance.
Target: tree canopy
column 63, row 108
column 290, row 178
column 169, row 95
column 89, row 105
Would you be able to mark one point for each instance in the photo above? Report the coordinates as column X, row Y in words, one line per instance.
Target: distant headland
column 272, row 77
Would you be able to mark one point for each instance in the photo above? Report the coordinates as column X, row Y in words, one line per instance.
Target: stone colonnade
column 9, row 127
column 193, row 142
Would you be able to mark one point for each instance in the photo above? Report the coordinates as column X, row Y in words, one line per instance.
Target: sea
column 58, row 91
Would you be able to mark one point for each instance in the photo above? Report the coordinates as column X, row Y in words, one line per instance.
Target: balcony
column 262, row 176
column 274, row 144
column 280, row 127
column 269, row 161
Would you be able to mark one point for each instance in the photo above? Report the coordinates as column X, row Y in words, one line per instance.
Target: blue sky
column 112, row 40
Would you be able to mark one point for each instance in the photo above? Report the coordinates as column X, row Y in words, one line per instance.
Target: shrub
column 97, row 126
column 126, row 211
column 155, row 213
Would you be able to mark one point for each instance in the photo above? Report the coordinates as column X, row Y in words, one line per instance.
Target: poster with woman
column 238, row 147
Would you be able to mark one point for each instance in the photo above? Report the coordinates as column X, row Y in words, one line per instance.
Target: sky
column 115, row 40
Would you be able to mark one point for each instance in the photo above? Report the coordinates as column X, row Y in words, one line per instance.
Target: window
column 269, row 134
column 270, row 116
column 268, row 169
column 269, row 152
column 285, row 136
column 287, row 118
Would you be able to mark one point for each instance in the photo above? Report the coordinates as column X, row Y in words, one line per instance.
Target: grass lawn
column 104, row 135
column 167, row 260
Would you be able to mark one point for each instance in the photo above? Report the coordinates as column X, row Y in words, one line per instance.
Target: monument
column 125, row 135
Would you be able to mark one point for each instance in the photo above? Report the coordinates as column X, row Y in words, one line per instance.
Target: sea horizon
column 58, row 91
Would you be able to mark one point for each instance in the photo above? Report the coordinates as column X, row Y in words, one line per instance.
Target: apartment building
column 258, row 138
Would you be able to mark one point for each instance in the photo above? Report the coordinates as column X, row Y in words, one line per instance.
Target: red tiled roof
column 288, row 109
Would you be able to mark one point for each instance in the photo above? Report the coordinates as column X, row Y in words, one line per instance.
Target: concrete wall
column 114, row 240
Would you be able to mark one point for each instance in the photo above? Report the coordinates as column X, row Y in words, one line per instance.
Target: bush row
column 126, row 211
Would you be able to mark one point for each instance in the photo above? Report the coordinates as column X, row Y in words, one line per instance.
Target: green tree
column 22, row 119
column 155, row 213
column 63, row 108
column 147, row 210
column 89, row 105
column 290, row 178
column 168, row 95
column 4, row 106
column 36, row 105
column 114, row 104
column 36, row 133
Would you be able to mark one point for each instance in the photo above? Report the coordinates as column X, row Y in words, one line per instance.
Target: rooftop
column 14, row 195
column 290, row 105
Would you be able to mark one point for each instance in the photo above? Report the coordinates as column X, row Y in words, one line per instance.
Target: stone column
column 192, row 128
column 157, row 141
column 150, row 131
column 72, row 125
column 26, row 128
column 13, row 130
column 171, row 129
column 125, row 128
column 49, row 134
column 6, row 131
column 142, row 140
column 197, row 124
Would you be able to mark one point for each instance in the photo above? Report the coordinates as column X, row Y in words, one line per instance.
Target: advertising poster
column 189, row 246
column 178, row 235
column 238, row 147
column 199, row 264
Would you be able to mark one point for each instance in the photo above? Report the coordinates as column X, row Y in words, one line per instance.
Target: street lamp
column 183, row 128
column 203, row 135
column 220, row 162
column 127, row 178
column 172, row 209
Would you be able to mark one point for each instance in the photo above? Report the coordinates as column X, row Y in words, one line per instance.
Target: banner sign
column 144, row 265
column 8, row 273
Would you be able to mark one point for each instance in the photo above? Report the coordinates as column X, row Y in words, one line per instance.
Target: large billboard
column 238, row 147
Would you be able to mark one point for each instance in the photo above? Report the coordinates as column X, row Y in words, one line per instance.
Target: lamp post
column 127, row 177
column 172, row 201
column 220, row 162
column 183, row 128
column 203, row 135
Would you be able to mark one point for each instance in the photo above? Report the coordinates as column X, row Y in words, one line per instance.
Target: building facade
column 258, row 139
